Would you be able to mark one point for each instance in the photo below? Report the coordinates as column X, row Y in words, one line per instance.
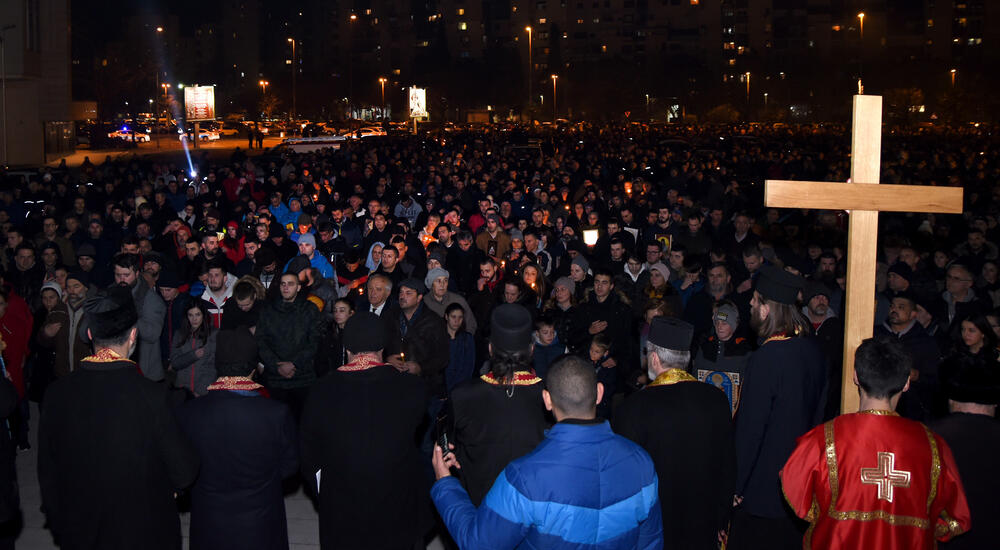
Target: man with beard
column 218, row 289
column 695, row 460
column 420, row 345
column 210, row 250
column 829, row 330
column 920, row 401
column 700, row 306
column 110, row 455
column 782, row 398
column 151, row 311
column 61, row 329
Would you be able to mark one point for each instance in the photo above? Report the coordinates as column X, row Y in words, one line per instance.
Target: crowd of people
column 475, row 323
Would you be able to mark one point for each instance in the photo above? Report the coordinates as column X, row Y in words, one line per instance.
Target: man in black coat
column 608, row 312
column 782, row 397
column 358, row 447
column 419, row 341
column 921, row 401
column 238, row 503
column 110, row 454
column 686, row 427
column 973, row 433
column 500, row 415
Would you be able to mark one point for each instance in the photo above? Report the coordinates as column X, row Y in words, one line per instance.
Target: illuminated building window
column 541, row 20
column 460, row 11
column 694, row 2
column 732, row 61
column 930, row 23
column 462, row 26
column 604, row 48
column 579, row 21
column 836, row 28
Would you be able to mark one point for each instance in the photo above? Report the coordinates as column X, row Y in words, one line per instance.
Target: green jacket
column 287, row 331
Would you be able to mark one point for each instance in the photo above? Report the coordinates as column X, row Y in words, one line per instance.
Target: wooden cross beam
column 864, row 198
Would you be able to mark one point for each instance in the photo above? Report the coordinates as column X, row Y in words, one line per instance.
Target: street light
column 748, row 88
column 292, row 42
column 263, row 86
column 350, row 64
column 3, row 86
column 861, row 54
column 382, row 80
column 530, row 66
column 159, row 29
column 555, row 112
column 953, row 72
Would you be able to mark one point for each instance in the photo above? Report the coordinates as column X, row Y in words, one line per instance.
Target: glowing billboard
column 199, row 103
column 418, row 102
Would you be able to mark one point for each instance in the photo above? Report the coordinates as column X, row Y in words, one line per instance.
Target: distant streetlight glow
column 530, row 66
column 555, row 111
column 953, row 73
column 159, row 29
column 294, row 70
column 861, row 18
column 382, row 80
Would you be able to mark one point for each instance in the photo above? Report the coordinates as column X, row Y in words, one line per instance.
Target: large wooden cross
column 864, row 199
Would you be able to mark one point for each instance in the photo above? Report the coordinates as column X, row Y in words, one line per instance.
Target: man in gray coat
column 151, row 311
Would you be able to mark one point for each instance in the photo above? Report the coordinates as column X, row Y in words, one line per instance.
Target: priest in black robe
column 973, row 433
column 500, row 415
column 685, row 426
column 359, row 449
column 110, row 455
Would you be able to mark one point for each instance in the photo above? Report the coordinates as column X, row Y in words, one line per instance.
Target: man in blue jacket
column 582, row 487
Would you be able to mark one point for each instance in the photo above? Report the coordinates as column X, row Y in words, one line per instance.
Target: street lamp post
column 350, row 65
column 861, row 53
column 530, row 66
column 382, row 80
column 263, row 87
column 748, row 88
column 3, row 87
column 953, row 73
column 555, row 111
column 294, row 70
column 166, row 105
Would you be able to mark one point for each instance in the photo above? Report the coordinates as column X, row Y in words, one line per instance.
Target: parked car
column 125, row 133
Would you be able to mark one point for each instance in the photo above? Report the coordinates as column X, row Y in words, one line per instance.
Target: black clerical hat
column 510, row 328
column 363, row 332
column 670, row 333
column 778, row 285
column 111, row 313
column 235, row 352
column 970, row 379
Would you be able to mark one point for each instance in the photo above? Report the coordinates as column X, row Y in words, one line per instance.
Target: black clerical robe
column 685, row 426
